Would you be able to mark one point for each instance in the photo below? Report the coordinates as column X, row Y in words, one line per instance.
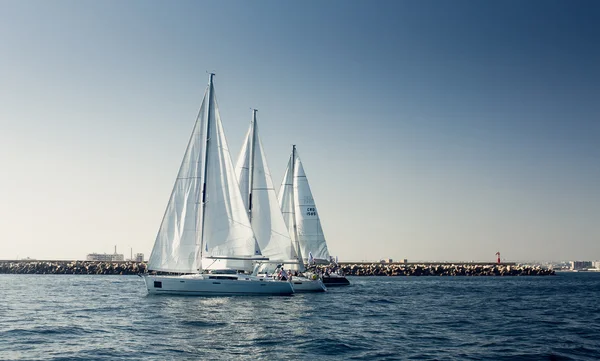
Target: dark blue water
column 57, row 317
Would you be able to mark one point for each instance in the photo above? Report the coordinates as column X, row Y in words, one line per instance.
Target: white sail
column 265, row 215
column 242, row 168
column 178, row 239
column 286, row 204
column 308, row 225
column 227, row 229
column 204, row 223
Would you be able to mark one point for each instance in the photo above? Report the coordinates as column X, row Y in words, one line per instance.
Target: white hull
column 303, row 284
column 216, row 285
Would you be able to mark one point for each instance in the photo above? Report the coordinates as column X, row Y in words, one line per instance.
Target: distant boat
column 260, row 200
column 205, row 236
column 302, row 219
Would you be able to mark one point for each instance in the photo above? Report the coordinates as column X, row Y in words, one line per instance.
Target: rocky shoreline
column 356, row 269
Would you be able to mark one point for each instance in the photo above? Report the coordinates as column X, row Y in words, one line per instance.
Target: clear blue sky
column 431, row 130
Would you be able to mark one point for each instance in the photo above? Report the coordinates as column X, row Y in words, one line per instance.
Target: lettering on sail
column 311, row 211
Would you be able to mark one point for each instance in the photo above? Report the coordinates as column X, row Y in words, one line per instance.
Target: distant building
column 103, row 257
column 580, row 265
column 596, row 264
column 387, row 260
column 139, row 257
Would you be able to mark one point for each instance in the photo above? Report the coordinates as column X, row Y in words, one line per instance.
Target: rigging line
column 233, row 221
column 281, row 234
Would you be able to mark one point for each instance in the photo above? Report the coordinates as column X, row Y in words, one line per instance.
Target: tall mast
column 251, row 165
column 208, row 116
column 294, row 225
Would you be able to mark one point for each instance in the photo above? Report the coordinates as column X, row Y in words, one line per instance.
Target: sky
column 429, row 130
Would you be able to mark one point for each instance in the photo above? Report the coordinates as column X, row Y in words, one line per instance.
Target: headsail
column 256, row 185
column 178, row 239
column 242, row 167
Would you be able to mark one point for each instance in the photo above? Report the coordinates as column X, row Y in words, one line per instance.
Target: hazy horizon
column 428, row 130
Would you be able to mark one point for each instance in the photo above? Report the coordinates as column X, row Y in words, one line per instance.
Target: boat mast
column 294, row 225
column 208, row 116
column 251, row 165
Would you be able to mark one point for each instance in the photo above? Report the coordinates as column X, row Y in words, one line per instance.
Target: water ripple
column 66, row 317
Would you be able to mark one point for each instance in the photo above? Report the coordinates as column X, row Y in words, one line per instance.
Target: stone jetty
column 442, row 269
column 72, row 267
column 350, row 269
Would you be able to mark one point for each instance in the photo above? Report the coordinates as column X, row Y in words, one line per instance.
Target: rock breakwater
column 382, row 269
column 72, row 267
column 356, row 269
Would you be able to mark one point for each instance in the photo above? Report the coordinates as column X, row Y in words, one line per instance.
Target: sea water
column 64, row 317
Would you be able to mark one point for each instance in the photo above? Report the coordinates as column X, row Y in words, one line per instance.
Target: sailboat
column 205, row 237
column 260, row 201
column 302, row 219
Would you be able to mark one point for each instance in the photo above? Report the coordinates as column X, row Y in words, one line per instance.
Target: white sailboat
column 260, row 200
column 205, row 235
column 302, row 218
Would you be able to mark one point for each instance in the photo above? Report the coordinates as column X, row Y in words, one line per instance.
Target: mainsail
column 300, row 211
column 205, row 216
column 256, row 186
